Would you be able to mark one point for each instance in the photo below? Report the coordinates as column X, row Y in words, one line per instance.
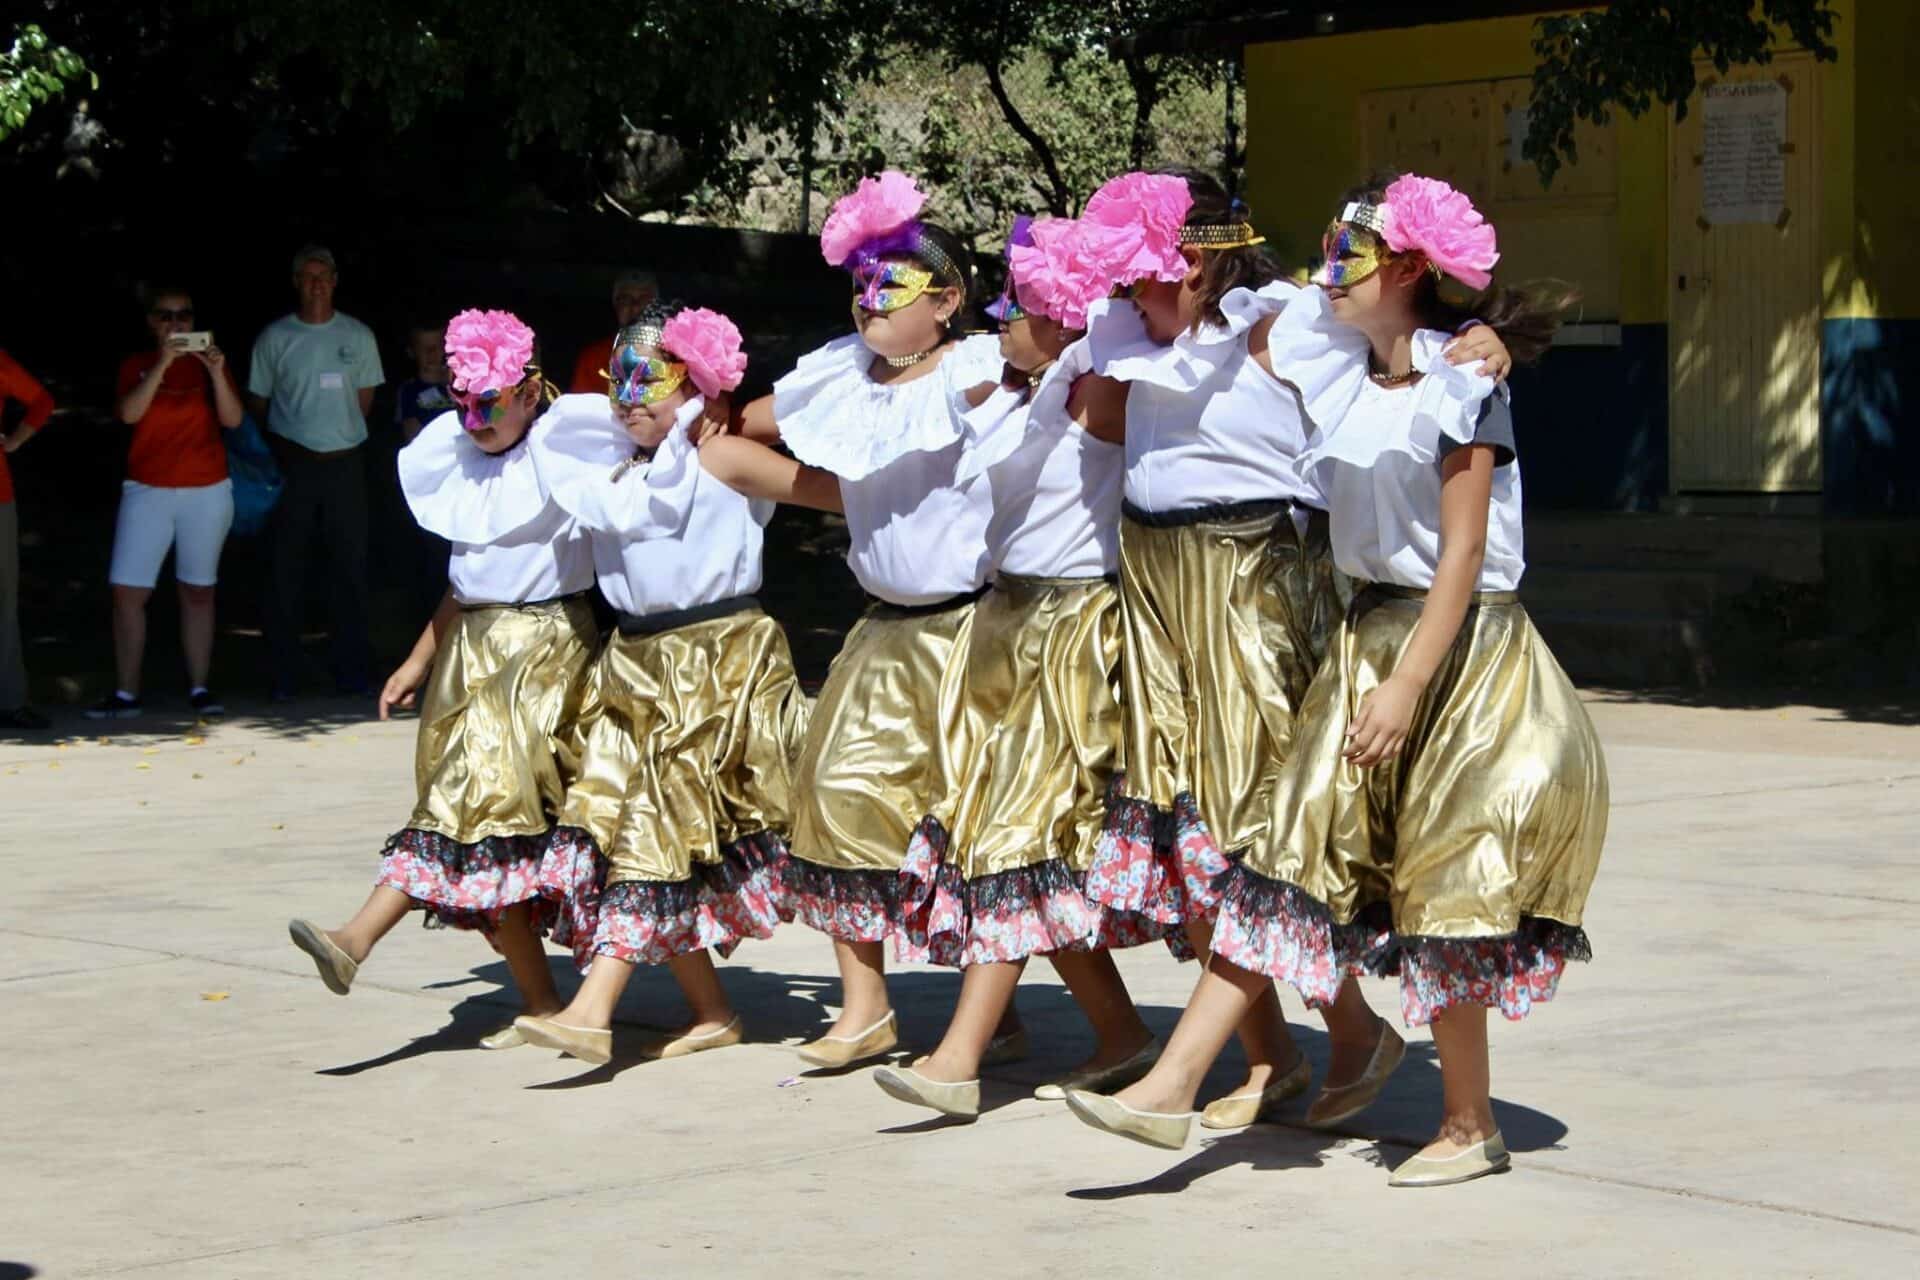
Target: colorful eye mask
column 1005, row 310
column 889, row 286
column 1349, row 254
column 638, row 380
column 481, row 412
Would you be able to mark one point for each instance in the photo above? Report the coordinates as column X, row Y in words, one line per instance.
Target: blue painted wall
column 1592, row 425
column 1869, row 393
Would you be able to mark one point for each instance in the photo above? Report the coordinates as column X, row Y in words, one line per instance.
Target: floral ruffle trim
column 465, row 886
column 1155, row 862
column 852, row 905
column 1279, row 929
column 652, row 921
column 1006, row 916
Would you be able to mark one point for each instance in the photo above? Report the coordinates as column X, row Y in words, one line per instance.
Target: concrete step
column 1583, row 588
column 1626, row 649
column 1741, row 547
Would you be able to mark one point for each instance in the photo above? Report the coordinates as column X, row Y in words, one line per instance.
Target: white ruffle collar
column 1446, row 403
column 597, row 479
column 997, row 427
column 833, row 415
column 1322, row 359
column 465, row 494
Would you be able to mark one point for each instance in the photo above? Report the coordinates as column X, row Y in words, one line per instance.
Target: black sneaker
column 207, row 703
column 114, row 707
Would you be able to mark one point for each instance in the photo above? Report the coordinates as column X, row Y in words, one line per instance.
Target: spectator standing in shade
column 176, row 497
column 312, row 378
column 420, row 400
column 633, row 292
column 19, row 385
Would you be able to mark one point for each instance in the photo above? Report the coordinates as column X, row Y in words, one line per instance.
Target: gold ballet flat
column 679, row 1046
column 507, row 1037
column 1155, row 1128
column 589, row 1044
column 954, row 1099
column 1339, row 1102
column 844, row 1051
column 1237, row 1110
column 1482, row 1158
column 337, row 968
column 1009, row 1048
column 1102, row 1079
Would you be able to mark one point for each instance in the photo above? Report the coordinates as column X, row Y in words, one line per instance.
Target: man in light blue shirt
column 311, row 381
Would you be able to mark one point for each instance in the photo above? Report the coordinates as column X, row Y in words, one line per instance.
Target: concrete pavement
column 1728, row 1090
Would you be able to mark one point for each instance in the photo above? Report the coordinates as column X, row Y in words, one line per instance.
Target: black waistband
column 526, row 604
column 650, row 624
column 1219, row 511
column 888, row 609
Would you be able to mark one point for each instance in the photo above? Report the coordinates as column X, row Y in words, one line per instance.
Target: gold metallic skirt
column 1463, row 864
column 1039, row 728
column 1226, row 615
column 993, row 873
column 879, row 750
column 505, row 682
column 682, row 791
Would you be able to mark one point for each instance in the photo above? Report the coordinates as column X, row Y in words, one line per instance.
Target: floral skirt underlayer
column 671, row 835
column 505, row 682
column 1226, row 611
column 995, row 870
column 1463, row 865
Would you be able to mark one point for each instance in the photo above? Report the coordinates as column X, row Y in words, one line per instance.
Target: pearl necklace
column 907, row 362
column 1391, row 379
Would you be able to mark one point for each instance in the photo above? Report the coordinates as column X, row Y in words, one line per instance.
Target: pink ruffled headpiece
column 875, row 213
column 1148, row 209
column 488, row 351
column 1428, row 215
column 1070, row 265
column 709, row 345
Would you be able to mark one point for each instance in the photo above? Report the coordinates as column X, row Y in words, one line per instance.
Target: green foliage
column 33, row 73
column 1636, row 53
column 1086, row 44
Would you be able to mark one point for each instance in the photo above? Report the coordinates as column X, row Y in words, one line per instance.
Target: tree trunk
column 1146, row 96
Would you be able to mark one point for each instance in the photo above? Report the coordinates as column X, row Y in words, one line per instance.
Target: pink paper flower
column 488, row 351
column 1071, row 264
column 1151, row 208
column 873, row 209
column 1428, row 215
column 709, row 345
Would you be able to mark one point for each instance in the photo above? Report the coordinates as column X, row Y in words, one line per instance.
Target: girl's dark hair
column 962, row 259
column 1525, row 316
column 1222, row 270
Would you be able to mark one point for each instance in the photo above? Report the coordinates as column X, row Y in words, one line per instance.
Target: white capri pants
column 193, row 523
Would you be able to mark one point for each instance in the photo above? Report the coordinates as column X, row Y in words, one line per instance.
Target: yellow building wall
column 1882, row 192
column 1304, row 147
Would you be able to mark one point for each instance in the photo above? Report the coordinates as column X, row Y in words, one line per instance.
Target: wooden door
column 1744, row 282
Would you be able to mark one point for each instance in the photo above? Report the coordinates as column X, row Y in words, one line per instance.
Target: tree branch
column 1059, row 198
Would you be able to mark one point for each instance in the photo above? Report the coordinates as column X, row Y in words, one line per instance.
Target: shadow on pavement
column 1261, row 1147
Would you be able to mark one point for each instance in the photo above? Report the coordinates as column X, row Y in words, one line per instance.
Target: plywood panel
column 1745, row 306
column 1594, row 171
column 1436, row 130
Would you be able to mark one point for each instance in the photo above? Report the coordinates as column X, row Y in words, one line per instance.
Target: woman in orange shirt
column 176, row 497
column 15, row 384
